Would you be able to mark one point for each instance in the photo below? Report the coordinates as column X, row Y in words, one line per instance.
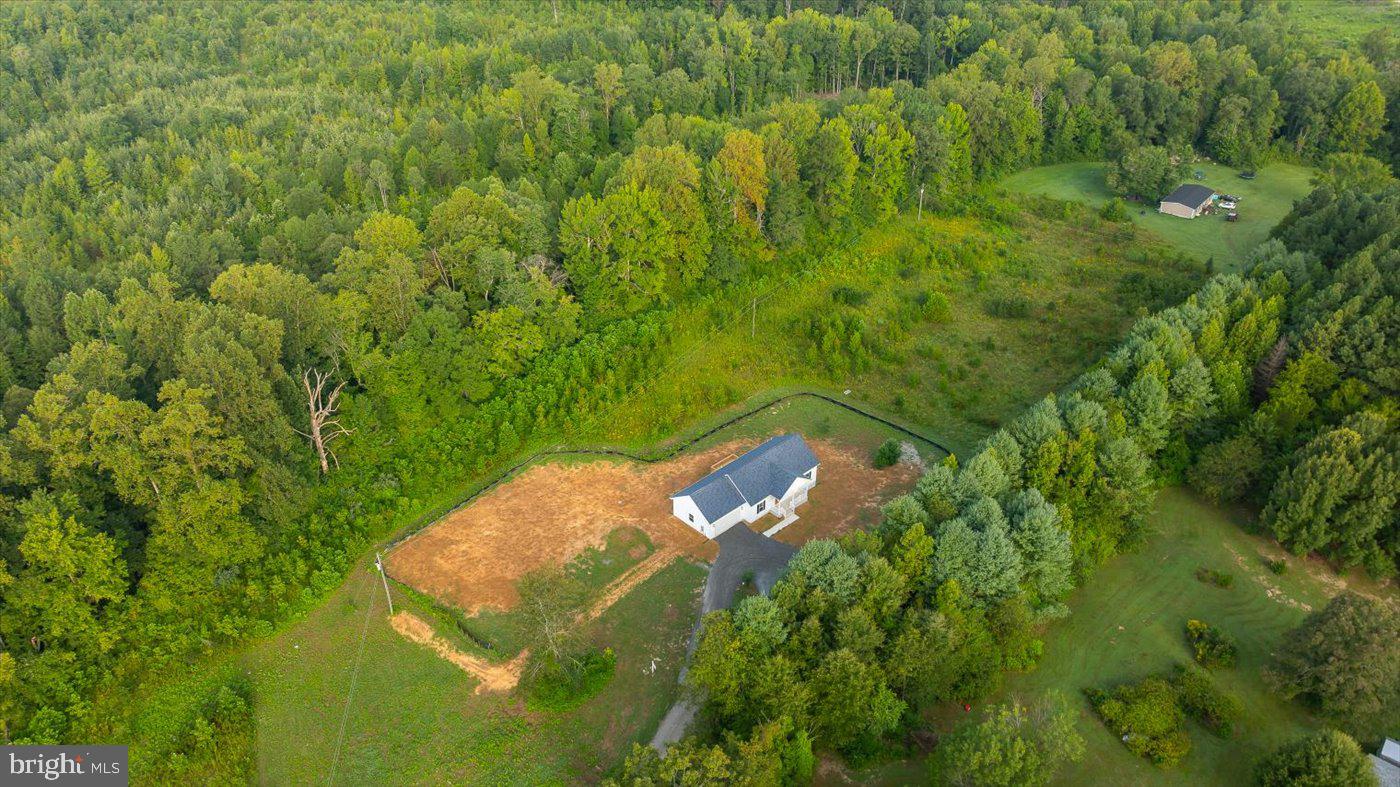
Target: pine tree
column 1046, row 556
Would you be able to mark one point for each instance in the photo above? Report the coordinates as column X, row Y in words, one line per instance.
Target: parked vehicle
column 1228, row 204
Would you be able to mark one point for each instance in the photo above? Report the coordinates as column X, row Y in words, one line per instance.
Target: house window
column 762, row 504
column 692, row 517
column 807, row 474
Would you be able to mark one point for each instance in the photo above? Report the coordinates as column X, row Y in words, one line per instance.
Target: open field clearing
column 553, row 512
column 412, row 711
column 1344, row 21
column 1263, row 202
column 416, row 717
column 1128, row 623
column 953, row 323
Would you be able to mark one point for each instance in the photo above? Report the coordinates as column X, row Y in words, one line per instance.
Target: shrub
column 1147, row 717
column 560, row 687
column 1114, row 210
column 1328, row 757
column 1214, row 648
column 887, row 454
column 937, row 308
column 1009, row 306
column 1212, row 577
column 849, row 296
column 1202, row 701
column 1277, row 566
column 1013, row 745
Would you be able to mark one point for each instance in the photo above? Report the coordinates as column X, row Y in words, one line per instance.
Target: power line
column 354, row 678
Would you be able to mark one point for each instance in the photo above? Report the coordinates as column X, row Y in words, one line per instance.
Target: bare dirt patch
column 848, row 495
column 490, row 677
column 551, row 513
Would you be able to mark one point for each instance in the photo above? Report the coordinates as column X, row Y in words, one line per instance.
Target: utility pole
column 921, row 202
column 379, row 564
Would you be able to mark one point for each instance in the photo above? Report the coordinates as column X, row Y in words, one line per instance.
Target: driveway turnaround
column 742, row 553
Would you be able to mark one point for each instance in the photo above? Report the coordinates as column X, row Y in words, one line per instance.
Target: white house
column 771, row 479
column 1387, row 764
column 1188, row 201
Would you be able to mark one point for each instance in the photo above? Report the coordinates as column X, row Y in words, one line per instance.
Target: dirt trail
column 495, row 677
column 630, row 579
column 490, row 677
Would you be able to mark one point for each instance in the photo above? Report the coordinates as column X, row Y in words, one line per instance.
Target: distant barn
column 1188, row 201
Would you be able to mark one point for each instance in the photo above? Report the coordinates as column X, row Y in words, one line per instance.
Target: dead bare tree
column 547, row 268
column 322, row 408
column 1268, row 368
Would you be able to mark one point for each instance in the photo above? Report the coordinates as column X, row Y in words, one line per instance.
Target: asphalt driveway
column 742, row 553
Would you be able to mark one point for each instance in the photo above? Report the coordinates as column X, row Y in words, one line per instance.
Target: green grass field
column 414, row 718
column 962, row 373
column 1128, row 621
column 1264, row 201
column 1343, row 22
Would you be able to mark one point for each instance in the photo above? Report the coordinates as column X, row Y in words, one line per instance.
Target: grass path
column 1264, row 201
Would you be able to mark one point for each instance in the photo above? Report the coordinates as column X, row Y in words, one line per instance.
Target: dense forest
column 272, row 272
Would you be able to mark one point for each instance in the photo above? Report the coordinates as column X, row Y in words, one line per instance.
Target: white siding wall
column 1176, row 209
column 741, row 514
column 686, row 511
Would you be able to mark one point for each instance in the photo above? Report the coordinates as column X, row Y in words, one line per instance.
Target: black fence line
column 508, row 473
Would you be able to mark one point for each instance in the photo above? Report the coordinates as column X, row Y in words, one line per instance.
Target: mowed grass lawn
column 396, row 713
column 1128, row 622
column 1264, row 201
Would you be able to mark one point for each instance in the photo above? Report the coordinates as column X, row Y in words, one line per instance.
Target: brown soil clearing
column 551, row 513
column 490, row 677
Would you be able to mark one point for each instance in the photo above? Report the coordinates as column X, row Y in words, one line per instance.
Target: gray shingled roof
column 1388, row 774
column 767, row 470
column 1192, row 195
